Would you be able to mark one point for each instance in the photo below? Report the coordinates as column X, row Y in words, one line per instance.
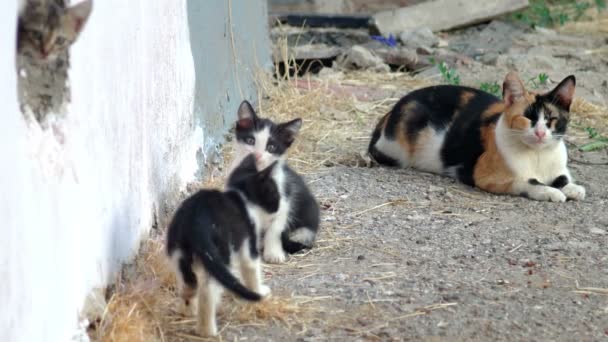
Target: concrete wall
column 154, row 87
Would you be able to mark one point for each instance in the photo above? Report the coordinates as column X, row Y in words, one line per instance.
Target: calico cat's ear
column 77, row 16
column 513, row 89
column 564, row 92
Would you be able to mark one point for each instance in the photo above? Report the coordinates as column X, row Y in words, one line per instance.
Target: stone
column 440, row 15
column 358, row 57
column 422, row 37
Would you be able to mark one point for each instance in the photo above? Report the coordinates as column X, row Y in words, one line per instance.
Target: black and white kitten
column 212, row 231
column 296, row 223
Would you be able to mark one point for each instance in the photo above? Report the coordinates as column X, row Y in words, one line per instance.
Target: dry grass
column 338, row 109
column 596, row 25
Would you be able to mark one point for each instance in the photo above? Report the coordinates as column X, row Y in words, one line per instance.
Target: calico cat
column 510, row 146
column 46, row 29
column 212, row 230
column 297, row 221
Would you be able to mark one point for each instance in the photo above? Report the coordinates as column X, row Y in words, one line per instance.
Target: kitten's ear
column 289, row 130
column 246, row 111
column 564, row 92
column 267, row 172
column 513, row 89
column 292, row 126
column 248, row 163
column 77, row 16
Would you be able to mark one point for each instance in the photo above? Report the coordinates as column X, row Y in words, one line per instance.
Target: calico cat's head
column 537, row 120
column 265, row 139
column 45, row 31
column 259, row 187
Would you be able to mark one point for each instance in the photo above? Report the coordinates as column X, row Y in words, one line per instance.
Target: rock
column 422, row 37
column 496, row 38
column 597, row 231
column 307, row 52
column 526, row 62
column 440, row 15
column 358, row 57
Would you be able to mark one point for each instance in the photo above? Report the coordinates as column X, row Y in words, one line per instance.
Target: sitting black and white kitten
column 212, row 230
column 296, row 223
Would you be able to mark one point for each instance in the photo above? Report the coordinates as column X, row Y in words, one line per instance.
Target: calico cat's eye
column 250, row 141
column 271, row 148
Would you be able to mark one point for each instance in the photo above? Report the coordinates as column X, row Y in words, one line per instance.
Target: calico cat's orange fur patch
column 465, row 97
column 491, row 172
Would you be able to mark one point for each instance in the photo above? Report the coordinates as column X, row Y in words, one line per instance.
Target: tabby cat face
column 537, row 120
column 265, row 139
column 45, row 31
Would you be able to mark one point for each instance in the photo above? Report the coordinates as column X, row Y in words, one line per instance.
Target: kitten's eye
column 250, row 141
column 271, row 148
column 60, row 41
column 36, row 36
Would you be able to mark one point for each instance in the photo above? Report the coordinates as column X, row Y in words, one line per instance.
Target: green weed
column 549, row 13
column 493, row 88
column 536, row 81
column 598, row 141
column 448, row 74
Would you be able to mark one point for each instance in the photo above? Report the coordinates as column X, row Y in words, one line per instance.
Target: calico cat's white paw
column 546, row 193
column 274, row 255
column 264, row 291
column 573, row 191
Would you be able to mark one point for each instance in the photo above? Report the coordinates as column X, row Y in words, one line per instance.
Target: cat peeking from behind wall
column 213, row 232
column 47, row 28
column 509, row 146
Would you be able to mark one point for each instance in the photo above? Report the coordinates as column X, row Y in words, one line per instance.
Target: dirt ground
column 406, row 255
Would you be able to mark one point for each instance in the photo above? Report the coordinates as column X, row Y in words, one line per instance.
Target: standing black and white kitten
column 296, row 223
column 212, row 231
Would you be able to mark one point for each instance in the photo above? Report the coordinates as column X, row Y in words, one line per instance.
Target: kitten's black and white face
column 262, row 137
column 45, row 31
column 547, row 114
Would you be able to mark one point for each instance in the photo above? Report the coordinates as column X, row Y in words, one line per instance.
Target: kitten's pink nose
column 540, row 134
column 258, row 156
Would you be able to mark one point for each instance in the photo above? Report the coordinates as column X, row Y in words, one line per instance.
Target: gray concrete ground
column 405, row 255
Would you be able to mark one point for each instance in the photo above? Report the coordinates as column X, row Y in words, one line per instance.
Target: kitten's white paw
column 275, row 255
column 574, row 191
column 207, row 330
column 549, row 194
column 188, row 309
column 264, row 291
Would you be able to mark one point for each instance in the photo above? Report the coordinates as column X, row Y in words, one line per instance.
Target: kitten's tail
column 209, row 256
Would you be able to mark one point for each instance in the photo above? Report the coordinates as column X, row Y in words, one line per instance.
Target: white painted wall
column 76, row 199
